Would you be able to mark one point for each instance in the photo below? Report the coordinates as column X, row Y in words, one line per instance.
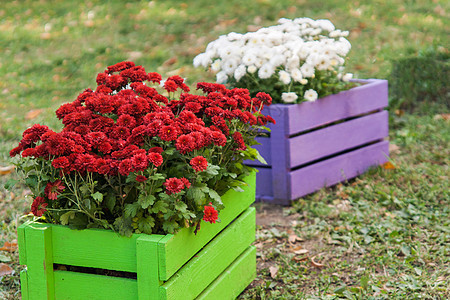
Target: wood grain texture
column 38, row 242
column 337, row 138
column 24, row 284
column 371, row 96
column 175, row 251
column 329, row 172
column 212, row 260
column 82, row 286
column 234, row 279
column 264, row 184
column 147, row 266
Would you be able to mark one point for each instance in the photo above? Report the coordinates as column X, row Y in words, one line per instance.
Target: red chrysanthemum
column 237, row 136
column 141, row 178
column 173, row 185
column 185, row 144
column 155, row 158
column 154, row 77
column 140, row 161
column 60, row 162
column 53, row 189
column 168, row 133
column 186, row 182
column 38, row 206
column 155, row 150
column 210, row 214
column 199, row 163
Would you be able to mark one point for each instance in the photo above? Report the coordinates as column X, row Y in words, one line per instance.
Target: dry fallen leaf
column 6, row 170
column 294, row 238
column 316, row 264
column 7, row 246
column 273, row 271
column 33, row 114
column 388, row 166
column 5, row 269
column 445, row 117
column 301, row 251
column 393, row 148
column 300, row 258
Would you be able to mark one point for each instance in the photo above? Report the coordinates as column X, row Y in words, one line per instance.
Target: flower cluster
column 131, row 159
column 296, row 60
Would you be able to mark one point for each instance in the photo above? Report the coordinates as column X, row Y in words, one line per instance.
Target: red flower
column 53, row 189
column 168, row 133
column 38, row 206
column 140, row 161
column 125, row 167
column 170, row 86
column 120, row 66
column 173, row 185
column 186, row 182
column 199, row 163
column 185, row 144
column 60, row 162
column 155, row 158
column 154, row 77
column 210, row 214
column 158, row 150
column 141, row 178
column 237, row 136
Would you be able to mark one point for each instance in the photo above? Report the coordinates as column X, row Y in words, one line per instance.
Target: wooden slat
column 22, row 244
column 147, row 266
column 175, row 251
column 82, row 286
column 38, row 243
column 234, row 279
column 329, row 172
column 337, row 138
column 371, row 96
column 103, row 249
column 24, row 284
column 264, row 151
column 212, row 260
column 264, row 182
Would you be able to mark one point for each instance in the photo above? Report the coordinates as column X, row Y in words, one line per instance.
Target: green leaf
column 10, row 183
column 160, row 206
column 157, row 176
column 195, row 193
column 131, row 209
column 66, row 216
column 212, row 169
column 110, row 201
column 123, row 225
column 181, row 206
column 97, row 196
column 146, row 200
column 145, row 225
column 260, row 158
column 213, row 194
column 170, row 226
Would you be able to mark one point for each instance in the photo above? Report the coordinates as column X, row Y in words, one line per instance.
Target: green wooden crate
column 217, row 263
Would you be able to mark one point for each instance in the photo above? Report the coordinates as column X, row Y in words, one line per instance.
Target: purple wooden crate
column 321, row 143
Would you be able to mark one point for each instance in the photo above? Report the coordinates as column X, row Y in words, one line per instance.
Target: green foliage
column 420, row 78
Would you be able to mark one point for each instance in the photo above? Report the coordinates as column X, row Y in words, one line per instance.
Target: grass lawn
column 384, row 235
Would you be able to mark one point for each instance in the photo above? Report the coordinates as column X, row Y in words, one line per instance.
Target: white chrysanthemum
column 249, row 58
column 251, row 69
column 289, row 97
column 239, row 72
column 347, row 77
column 325, row 25
column 221, row 77
column 284, row 77
column 229, row 65
column 296, row 75
column 266, row 71
column 307, row 70
column 310, row 95
column 304, row 81
column 202, row 59
column 323, row 63
column 216, row 65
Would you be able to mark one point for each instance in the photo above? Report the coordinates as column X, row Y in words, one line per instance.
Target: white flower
column 202, row 60
column 249, row 58
column 216, row 65
column 310, row 95
column 266, row 71
column 229, row 65
column 251, row 69
column 296, row 75
column 284, row 77
column 221, row 77
column 239, row 72
column 289, row 97
column 347, row 77
column 307, row 70
column 304, row 81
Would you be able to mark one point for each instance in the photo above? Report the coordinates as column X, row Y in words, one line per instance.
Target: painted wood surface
column 337, row 138
column 234, row 279
column 176, row 250
column 308, row 134
column 82, row 286
column 40, row 242
column 371, row 96
column 329, row 172
column 201, row 270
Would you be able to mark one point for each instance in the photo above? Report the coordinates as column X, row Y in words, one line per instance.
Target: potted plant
column 329, row 128
column 157, row 184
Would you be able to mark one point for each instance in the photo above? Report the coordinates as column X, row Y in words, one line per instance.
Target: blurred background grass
column 50, row 51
